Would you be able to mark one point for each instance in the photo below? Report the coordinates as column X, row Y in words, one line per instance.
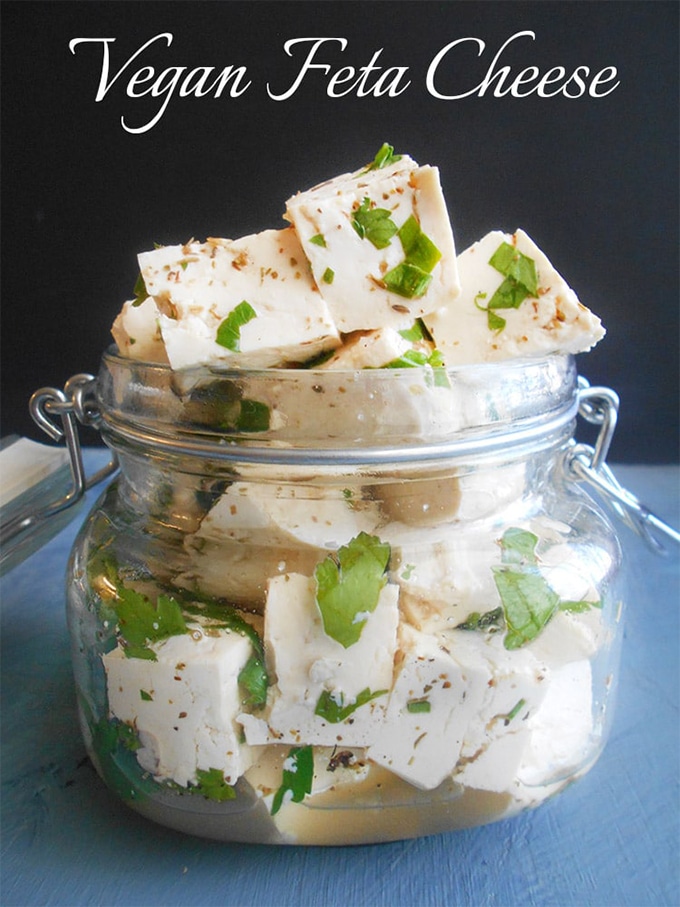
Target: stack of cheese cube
column 365, row 255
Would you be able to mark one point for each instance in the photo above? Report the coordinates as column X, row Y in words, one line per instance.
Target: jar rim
column 328, row 416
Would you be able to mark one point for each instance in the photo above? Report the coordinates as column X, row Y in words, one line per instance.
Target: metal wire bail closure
column 75, row 403
column 600, row 406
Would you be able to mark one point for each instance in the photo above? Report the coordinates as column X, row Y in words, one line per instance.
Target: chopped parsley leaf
column 211, row 784
column 140, row 291
column 318, row 240
column 328, row 275
column 417, row 706
column 418, row 248
column 489, row 620
column 252, row 416
column 348, row 586
column 334, row 712
column 407, row 280
column 521, row 281
column 229, row 331
column 384, row 157
column 374, row 224
column 298, row 774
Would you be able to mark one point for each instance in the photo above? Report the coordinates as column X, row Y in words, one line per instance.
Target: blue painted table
column 610, row 839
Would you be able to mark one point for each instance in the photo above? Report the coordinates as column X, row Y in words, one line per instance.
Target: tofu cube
column 308, row 663
column 473, row 330
column 184, row 704
column 432, row 703
column 348, row 227
column 261, row 283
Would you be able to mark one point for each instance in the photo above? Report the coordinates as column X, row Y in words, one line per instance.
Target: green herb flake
column 334, row 711
column 348, row 586
column 489, row 620
column 416, row 332
column 374, row 224
column 418, row 248
column 328, row 275
column 229, row 331
column 253, row 416
column 384, row 157
column 254, row 681
column 528, row 601
column 407, row 280
column 318, row 240
column 211, row 784
column 418, row 706
column 514, row 712
column 139, row 291
column 510, row 262
column 298, row 774
column 140, row 622
column 145, row 697
column 521, row 281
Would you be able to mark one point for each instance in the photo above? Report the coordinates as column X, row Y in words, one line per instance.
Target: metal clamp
column 76, row 403
column 599, row 406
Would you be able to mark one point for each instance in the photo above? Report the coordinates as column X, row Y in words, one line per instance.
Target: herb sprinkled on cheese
column 298, row 774
column 349, row 586
column 229, row 331
column 334, row 710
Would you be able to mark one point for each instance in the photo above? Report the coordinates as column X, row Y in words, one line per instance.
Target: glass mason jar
column 324, row 607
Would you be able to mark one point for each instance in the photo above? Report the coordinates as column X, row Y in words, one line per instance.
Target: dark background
column 595, row 182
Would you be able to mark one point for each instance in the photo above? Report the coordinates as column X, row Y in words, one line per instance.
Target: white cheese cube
column 432, row 703
column 183, row 705
column 369, row 349
column 308, row 663
column 137, row 333
column 552, row 321
column 198, row 285
column 286, row 514
column 516, row 685
column 562, row 728
column 349, row 269
column 446, row 577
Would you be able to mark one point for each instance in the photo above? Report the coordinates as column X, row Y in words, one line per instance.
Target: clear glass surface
column 335, row 608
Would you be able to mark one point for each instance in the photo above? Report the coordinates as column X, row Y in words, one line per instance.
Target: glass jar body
column 333, row 652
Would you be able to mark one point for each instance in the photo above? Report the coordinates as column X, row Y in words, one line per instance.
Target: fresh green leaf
column 509, row 295
column 489, row 620
column 418, row 706
column 417, row 359
column 528, row 601
column 211, row 784
column 528, row 604
column 255, row 681
column 418, row 248
column 510, row 262
column 348, row 588
column 298, row 774
column 374, row 224
column 145, row 697
column 253, row 415
column 407, row 280
column 384, row 157
column 328, row 276
column 318, row 240
column 519, row 546
column 416, row 332
column 229, row 331
column 334, row 712
column 140, row 291
column 521, row 281
column 140, row 622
